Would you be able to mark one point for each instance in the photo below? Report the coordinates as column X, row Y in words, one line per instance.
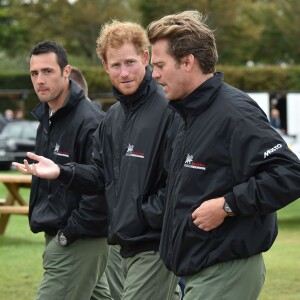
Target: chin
column 128, row 92
column 170, row 97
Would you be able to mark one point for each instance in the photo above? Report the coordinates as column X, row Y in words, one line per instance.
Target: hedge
column 270, row 79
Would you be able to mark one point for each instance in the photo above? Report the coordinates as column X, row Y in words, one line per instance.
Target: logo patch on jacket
column 132, row 153
column 270, row 151
column 59, row 152
column 189, row 163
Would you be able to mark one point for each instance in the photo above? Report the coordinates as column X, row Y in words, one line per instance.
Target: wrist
column 227, row 209
column 62, row 239
column 65, row 172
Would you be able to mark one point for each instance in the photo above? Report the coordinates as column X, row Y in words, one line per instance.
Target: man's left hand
column 210, row 214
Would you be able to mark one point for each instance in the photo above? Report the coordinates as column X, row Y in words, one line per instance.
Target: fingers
column 28, row 168
column 33, row 169
column 20, row 167
column 26, row 164
column 32, row 156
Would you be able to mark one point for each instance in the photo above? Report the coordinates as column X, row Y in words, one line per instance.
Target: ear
column 146, row 57
column 105, row 66
column 67, row 71
column 188, row 61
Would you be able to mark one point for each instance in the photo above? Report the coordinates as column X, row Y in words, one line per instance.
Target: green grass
column 283, row 259
column 21, row 258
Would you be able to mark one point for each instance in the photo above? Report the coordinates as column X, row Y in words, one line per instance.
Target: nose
column 124, row 71
column 155, row 74
column 40, row 78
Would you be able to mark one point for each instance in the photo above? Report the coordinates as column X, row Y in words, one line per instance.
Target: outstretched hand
column 44, row 168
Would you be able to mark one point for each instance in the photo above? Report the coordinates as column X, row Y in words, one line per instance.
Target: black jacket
column 67, row 137
column 129, row 150
column 225, row 147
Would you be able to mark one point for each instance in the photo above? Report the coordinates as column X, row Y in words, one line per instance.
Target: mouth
column 127, row 82
column 42, row 90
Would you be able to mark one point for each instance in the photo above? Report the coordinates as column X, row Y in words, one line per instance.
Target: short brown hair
column 115, row 33
column 77, row 76
column 186, row 33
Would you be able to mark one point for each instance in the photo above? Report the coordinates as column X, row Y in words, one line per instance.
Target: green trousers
column 74, row 272
column 114, row 272
column 147, row 278
column 240, row 279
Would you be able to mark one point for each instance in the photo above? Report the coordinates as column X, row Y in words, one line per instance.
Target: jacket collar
column 144, row 91
column 200, row 98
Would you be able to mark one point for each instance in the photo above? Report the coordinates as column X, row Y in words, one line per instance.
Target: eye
column 47, row 71
column 157, row 66
column 115, row 66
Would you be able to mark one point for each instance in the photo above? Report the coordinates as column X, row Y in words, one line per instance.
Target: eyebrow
column 156, row 63
column 43, row 69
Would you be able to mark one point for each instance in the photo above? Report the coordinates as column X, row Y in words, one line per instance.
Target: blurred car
column 16, row 139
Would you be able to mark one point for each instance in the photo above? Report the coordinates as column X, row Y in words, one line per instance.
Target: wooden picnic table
column 13, row 182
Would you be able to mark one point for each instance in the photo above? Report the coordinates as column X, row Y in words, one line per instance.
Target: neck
column 57, row 103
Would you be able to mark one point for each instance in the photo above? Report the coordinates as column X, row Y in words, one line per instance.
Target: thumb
column 33, row 156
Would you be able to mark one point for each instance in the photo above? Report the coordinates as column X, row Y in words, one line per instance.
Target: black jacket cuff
column 68, row 234
column 66, row 173
column 229, row 198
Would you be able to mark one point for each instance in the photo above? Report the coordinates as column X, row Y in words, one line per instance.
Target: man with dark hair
column 75, row 225
column 229, row 171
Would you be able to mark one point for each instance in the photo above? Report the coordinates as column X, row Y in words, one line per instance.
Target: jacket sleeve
column 153, row 205
column 267, row 172
column 90, row 218
column 86, row 178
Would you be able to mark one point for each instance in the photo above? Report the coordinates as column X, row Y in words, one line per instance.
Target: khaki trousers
column 240, row 279
column 73, row 272
column 147, row 278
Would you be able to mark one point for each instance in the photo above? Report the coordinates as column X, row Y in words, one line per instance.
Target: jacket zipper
column 122, row 146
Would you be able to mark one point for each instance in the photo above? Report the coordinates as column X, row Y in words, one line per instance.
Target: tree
column 260, row 30
column 75, row 25
column 263, row 31
column 82, row 24
column 13, row 34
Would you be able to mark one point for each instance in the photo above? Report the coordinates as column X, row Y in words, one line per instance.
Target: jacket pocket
column 193, row 248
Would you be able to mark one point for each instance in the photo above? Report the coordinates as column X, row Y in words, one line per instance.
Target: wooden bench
column 14, row 209
column 13, row 203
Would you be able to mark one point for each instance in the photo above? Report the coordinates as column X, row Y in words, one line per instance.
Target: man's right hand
column 44, row 168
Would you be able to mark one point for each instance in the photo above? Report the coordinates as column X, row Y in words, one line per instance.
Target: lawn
column 21, row 258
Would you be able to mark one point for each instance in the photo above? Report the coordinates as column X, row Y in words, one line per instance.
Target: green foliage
column 97, row 79
column 15, row 80
column 260, row 78
column 74, row 25
column 260, row 31
column 270, row 79
column 257, row 79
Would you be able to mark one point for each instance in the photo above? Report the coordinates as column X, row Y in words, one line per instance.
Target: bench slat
column 23, row 210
